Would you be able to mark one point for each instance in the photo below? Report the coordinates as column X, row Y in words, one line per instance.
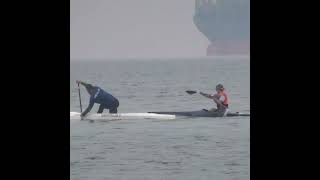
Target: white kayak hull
column 122, row 116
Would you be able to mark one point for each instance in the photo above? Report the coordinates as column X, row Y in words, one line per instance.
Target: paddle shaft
column 79, row 98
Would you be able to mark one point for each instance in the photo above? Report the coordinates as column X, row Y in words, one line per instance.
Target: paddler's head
column 90, row 89
column 219, row 88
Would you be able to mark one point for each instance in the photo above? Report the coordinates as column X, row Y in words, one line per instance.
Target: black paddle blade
column 191, row 92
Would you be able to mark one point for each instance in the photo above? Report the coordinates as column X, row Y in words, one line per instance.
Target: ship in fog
column 226, row 24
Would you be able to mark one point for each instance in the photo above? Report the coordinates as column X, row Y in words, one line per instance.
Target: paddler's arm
column 217, row 101
column 91, row 103
column 82, row 83
column 206, row 95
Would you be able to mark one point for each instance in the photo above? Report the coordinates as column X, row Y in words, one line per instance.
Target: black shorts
column 113, row 107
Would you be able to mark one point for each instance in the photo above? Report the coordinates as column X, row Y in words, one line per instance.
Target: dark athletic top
column 101, row 97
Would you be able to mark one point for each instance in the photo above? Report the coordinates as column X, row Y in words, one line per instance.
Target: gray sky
column 134, row 29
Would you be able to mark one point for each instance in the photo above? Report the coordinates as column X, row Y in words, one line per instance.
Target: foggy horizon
column 201, row 57
column 108, row 29
column 140, row 29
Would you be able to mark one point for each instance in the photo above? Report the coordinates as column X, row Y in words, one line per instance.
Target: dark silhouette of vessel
column 226, row 24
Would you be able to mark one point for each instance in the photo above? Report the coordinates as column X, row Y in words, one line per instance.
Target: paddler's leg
column 213, row 110
column 101, row 108
column 114, row 108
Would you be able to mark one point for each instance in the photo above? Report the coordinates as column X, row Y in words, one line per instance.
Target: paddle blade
column 191, row 92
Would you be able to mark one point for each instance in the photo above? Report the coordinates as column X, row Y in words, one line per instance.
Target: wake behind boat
column 201, row 113
column 120, row 116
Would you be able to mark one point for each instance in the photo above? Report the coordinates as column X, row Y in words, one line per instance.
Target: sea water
column 184, row 148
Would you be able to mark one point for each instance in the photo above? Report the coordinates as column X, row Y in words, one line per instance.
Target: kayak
column 123, row 116
column 202, row 113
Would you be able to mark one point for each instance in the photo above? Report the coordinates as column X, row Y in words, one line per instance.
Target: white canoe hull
column 122, row 116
